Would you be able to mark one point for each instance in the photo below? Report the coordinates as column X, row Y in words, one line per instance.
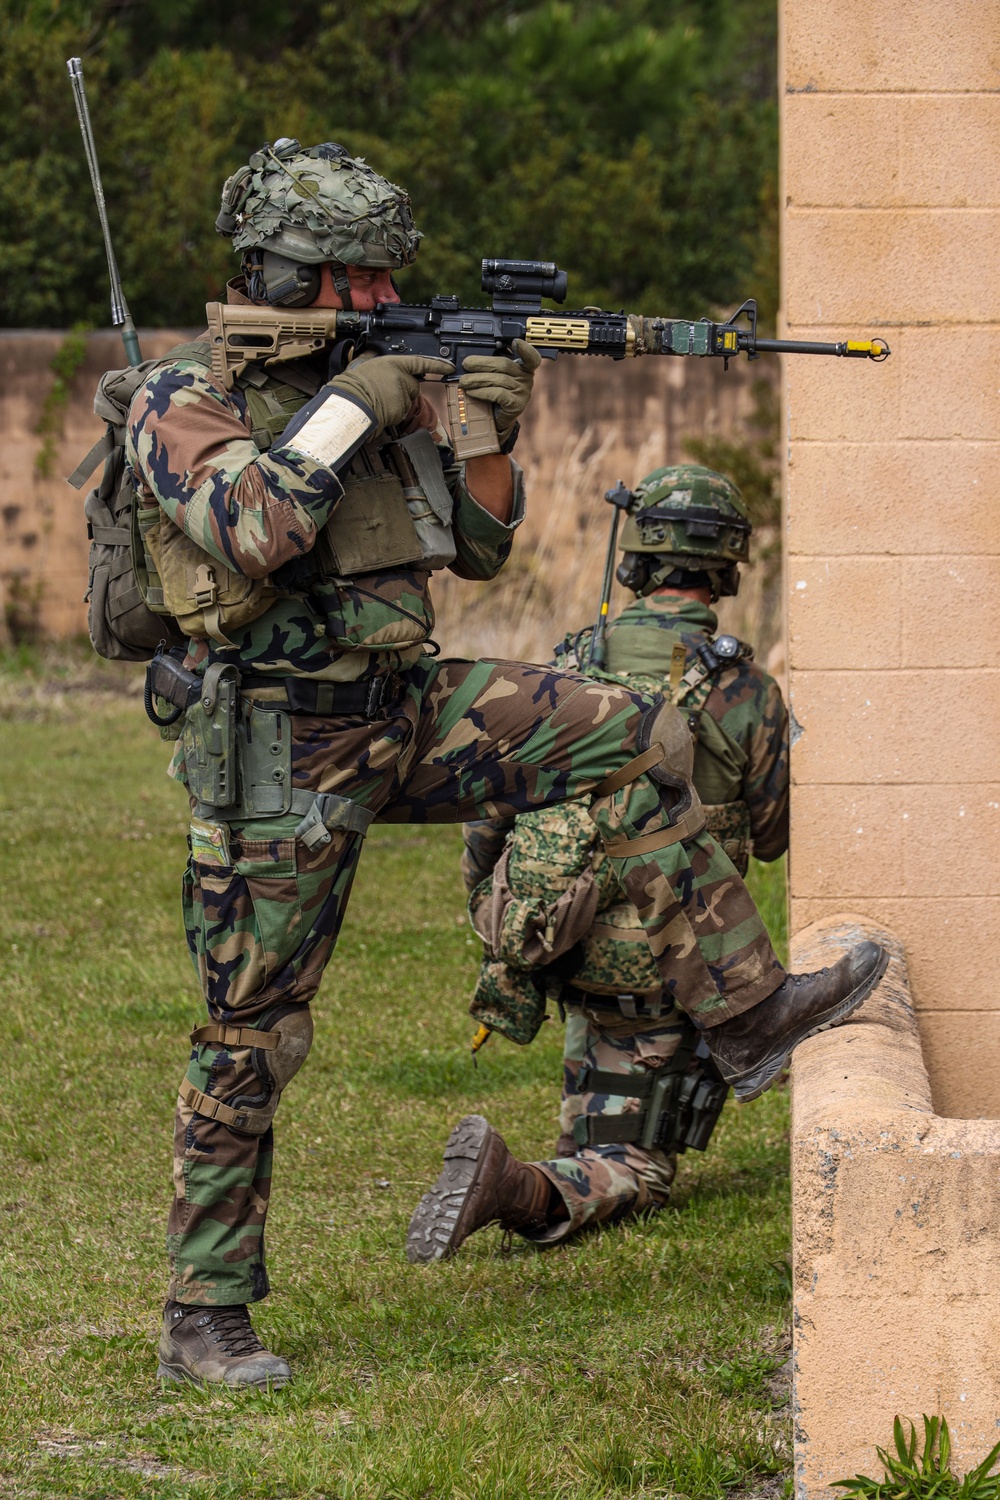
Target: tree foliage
column 633, row 141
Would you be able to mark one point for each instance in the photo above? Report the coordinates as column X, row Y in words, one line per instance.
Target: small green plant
column 65, row 365
column 926, row 1475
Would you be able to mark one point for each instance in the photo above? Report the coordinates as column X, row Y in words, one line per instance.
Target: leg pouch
column 244, row 921
column 262, row 927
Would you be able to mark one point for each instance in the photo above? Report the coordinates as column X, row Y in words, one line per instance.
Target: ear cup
column 287, row 283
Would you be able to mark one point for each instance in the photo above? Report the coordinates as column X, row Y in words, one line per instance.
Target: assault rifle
column 242, row 336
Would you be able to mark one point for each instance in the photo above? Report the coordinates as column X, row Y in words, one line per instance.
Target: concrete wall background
column 891, row 219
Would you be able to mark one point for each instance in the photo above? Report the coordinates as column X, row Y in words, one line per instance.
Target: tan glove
column 505, row 383
column 389, row 383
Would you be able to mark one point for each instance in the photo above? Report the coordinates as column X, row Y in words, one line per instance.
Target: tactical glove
column 389, row 383
column 506, row 383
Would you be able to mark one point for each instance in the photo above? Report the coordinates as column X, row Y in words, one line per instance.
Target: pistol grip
column 473, row 429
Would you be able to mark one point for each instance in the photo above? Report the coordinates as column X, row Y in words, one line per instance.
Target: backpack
column 126, row 617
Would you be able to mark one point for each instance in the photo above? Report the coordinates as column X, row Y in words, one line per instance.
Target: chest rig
column 396, row 512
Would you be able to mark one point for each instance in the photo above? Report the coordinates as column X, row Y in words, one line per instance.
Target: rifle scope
column 515, row 281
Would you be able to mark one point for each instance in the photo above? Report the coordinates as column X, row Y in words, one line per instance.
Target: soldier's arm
column 192, row 454
column 767, row 780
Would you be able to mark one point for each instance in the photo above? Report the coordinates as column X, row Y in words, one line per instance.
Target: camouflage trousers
column 467, row 740
column 605, row 1184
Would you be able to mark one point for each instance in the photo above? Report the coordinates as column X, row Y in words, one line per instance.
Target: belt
column 630, row 1006
column 373, row 698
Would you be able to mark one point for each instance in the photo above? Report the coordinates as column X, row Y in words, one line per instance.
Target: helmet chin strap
column 338, row 273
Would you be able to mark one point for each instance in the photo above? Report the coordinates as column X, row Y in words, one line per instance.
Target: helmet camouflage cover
column 315, row 204
column 688, row 518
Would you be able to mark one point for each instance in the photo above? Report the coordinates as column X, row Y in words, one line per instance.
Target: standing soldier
column 293, row 523
column 554, row 921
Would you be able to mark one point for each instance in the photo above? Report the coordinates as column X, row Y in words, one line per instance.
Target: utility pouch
column 264, row 752
column 210, row 739
column 370, row 530
column 206, row 598
column 428, row 498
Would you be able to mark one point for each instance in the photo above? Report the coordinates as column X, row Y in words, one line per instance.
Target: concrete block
column 840, row 151
column 948, row 150
column 844, row 609
column 840, row 400
column 847, row 841
column 895, row 1220
column 950, row 606
column 945, row 938
column 937, row 384
column 905, row 265
column 891, row 150
column 892, row 727
column 951, row 840
column 949, row 383
column 892, row 498
column 892, row 46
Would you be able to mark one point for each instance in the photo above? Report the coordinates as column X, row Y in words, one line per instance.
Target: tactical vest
column 396, row 512
column 554, row 870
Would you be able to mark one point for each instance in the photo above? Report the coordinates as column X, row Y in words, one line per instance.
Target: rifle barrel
column 876, row 349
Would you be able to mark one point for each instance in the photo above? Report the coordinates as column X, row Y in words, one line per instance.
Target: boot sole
column 434, row 1225
column 178, row 1375
column 767, row 1072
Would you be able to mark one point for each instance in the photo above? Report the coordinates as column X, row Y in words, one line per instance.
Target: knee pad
column 279, row 1043
column 664, row 726
column 666, row 756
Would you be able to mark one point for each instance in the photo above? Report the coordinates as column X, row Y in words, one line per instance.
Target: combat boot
column 480, row 1183
column 752, row 1050
column 216, row 1346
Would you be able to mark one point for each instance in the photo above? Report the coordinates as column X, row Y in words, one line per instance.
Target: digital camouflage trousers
column 607, row 1183
column 467, row 740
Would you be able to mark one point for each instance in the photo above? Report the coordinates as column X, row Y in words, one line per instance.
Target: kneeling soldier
column 639, row 1084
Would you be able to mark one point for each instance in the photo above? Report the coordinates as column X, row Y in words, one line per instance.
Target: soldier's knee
column 265, row 1058
column 666, row 756
column 665, row 752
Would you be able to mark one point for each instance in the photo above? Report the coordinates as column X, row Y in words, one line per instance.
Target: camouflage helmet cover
column 315, row 204
column 690, row 516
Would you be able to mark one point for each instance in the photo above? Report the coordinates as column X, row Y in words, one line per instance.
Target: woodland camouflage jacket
column 190, row 450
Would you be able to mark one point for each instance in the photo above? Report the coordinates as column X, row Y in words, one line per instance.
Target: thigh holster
column 666, row 756
column 278, row 1047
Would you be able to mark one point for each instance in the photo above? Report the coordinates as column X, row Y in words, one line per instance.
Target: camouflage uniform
column 450, row 740
column 740, row 725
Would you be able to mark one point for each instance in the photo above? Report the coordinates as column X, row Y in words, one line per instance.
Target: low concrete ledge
column 896, row 1228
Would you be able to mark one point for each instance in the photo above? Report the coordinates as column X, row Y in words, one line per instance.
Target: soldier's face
column 367, row 288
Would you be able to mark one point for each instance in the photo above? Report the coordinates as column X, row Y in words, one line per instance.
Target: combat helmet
column 294, row 208
column 684, row 523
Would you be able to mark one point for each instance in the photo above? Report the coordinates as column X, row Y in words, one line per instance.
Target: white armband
column 329, row 429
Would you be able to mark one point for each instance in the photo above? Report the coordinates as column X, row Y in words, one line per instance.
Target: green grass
column 639, row 1361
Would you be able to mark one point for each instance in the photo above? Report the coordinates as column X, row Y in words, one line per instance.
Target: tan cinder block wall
column 891, row 224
